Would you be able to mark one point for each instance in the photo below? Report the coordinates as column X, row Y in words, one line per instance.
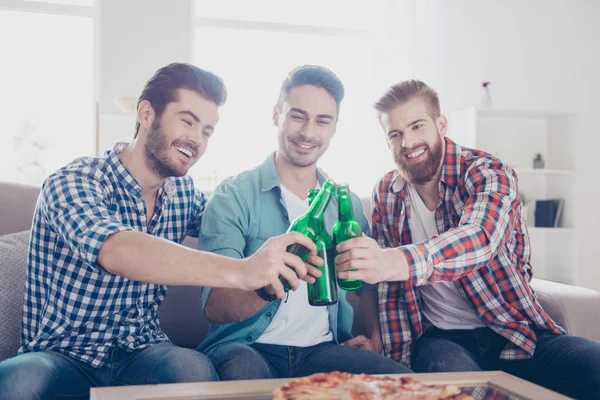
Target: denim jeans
column 51, row 375
column 235, row 361
column 566, row 364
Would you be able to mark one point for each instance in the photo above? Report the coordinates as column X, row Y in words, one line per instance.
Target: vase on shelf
column 486, row 100
column 538, row 161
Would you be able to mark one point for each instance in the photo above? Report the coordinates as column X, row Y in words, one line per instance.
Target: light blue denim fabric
column 53, row 375
column 242, row 213
column 235, row 361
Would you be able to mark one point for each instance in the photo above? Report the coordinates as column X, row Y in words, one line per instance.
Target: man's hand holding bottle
column 263, row 268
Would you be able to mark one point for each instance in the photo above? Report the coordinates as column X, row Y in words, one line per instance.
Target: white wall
column 136, row 38
column 538, row 54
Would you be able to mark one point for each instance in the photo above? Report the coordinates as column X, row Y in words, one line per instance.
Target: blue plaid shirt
column 74, row 306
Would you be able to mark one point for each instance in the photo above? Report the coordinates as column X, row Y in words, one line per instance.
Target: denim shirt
column 242, row 213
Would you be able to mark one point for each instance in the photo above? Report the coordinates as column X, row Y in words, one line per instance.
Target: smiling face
column 415, row 140
column 305, row 123
column 177, row 139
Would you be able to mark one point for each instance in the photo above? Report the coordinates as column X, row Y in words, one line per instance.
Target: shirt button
column 269, row 314
column 249, row 338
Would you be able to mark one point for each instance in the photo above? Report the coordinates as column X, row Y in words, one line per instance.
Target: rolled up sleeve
column 224, row 226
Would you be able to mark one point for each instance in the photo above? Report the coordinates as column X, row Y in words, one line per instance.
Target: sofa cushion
column 574, row 308
column 13, row 267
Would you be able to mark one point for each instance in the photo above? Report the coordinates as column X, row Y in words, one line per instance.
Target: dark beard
column 422, row 172
column 155, row 150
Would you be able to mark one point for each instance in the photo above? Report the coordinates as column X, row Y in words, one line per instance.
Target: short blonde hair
column 404, row 91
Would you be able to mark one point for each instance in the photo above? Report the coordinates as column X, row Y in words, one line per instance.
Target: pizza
column 343, row 385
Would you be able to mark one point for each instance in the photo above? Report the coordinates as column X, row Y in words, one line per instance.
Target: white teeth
column 184, row 151
column 416, row 153
column 305, row 146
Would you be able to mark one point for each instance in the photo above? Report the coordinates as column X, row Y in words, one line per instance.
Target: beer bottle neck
column 345, row 212
column 318, row 206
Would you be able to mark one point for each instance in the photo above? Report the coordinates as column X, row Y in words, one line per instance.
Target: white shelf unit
column 516, row 136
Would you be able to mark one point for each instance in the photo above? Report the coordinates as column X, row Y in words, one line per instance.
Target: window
column 47, row 96
column 353, row 15
column 253, row 52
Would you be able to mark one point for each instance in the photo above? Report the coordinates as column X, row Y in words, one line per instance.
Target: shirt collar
column 269, row 178
column 450, row 172
column 128, row 181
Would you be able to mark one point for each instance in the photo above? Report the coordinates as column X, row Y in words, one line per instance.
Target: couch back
column 17, row 203
column 181, row 315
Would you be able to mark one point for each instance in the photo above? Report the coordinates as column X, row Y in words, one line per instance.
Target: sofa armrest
column 574, row 308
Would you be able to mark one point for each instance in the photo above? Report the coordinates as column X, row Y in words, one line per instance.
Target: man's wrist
column 397, row 265
column 231, row 271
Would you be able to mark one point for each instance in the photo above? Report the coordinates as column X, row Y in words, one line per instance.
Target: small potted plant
column 538, row 161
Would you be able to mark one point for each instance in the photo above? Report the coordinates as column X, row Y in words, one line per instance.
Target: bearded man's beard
column 424, row 171
column 156, row 150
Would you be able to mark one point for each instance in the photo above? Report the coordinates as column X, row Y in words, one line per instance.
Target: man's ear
column 145, row 114
column 442, row 125
column 275, row 115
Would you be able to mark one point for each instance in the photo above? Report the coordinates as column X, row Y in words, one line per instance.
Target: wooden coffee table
column 481, row 385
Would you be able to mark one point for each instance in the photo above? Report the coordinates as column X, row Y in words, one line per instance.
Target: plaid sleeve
column 486, row 223
column 199, row 204
column 73, row 206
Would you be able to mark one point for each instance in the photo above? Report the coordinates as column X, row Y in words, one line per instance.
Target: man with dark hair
column 256, row 336
column 451, row 250
column 104, row 247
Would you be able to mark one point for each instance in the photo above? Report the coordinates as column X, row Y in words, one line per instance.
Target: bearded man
column 105, row 244
column 451, row 256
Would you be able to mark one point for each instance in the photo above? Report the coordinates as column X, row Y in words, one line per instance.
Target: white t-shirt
column 297, row 323
column 443, row 305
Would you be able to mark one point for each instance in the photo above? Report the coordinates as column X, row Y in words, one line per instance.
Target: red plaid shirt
column 483, row 247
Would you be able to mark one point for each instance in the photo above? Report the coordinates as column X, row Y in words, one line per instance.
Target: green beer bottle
column 346, row 228
column 312, row 193
column 324, row 291
column 309, row 224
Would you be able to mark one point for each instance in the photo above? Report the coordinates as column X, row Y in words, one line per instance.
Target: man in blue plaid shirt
column 104, row 247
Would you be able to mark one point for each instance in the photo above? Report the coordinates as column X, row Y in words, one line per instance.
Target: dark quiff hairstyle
column 162, row 88
column 313, row 75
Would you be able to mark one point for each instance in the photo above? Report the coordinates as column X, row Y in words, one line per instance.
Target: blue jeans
column 235, row 361
column 51, row 375
column 565, row 364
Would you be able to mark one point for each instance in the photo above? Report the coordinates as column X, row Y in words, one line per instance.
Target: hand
column 362, row 259
column 363, row 342
column 263, row 268
column 312, row 272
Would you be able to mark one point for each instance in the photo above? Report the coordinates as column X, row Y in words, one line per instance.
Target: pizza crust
column 343, row 385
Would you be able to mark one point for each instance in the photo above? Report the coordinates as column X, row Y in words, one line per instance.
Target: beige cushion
column 574, row 308
column 13, row 267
